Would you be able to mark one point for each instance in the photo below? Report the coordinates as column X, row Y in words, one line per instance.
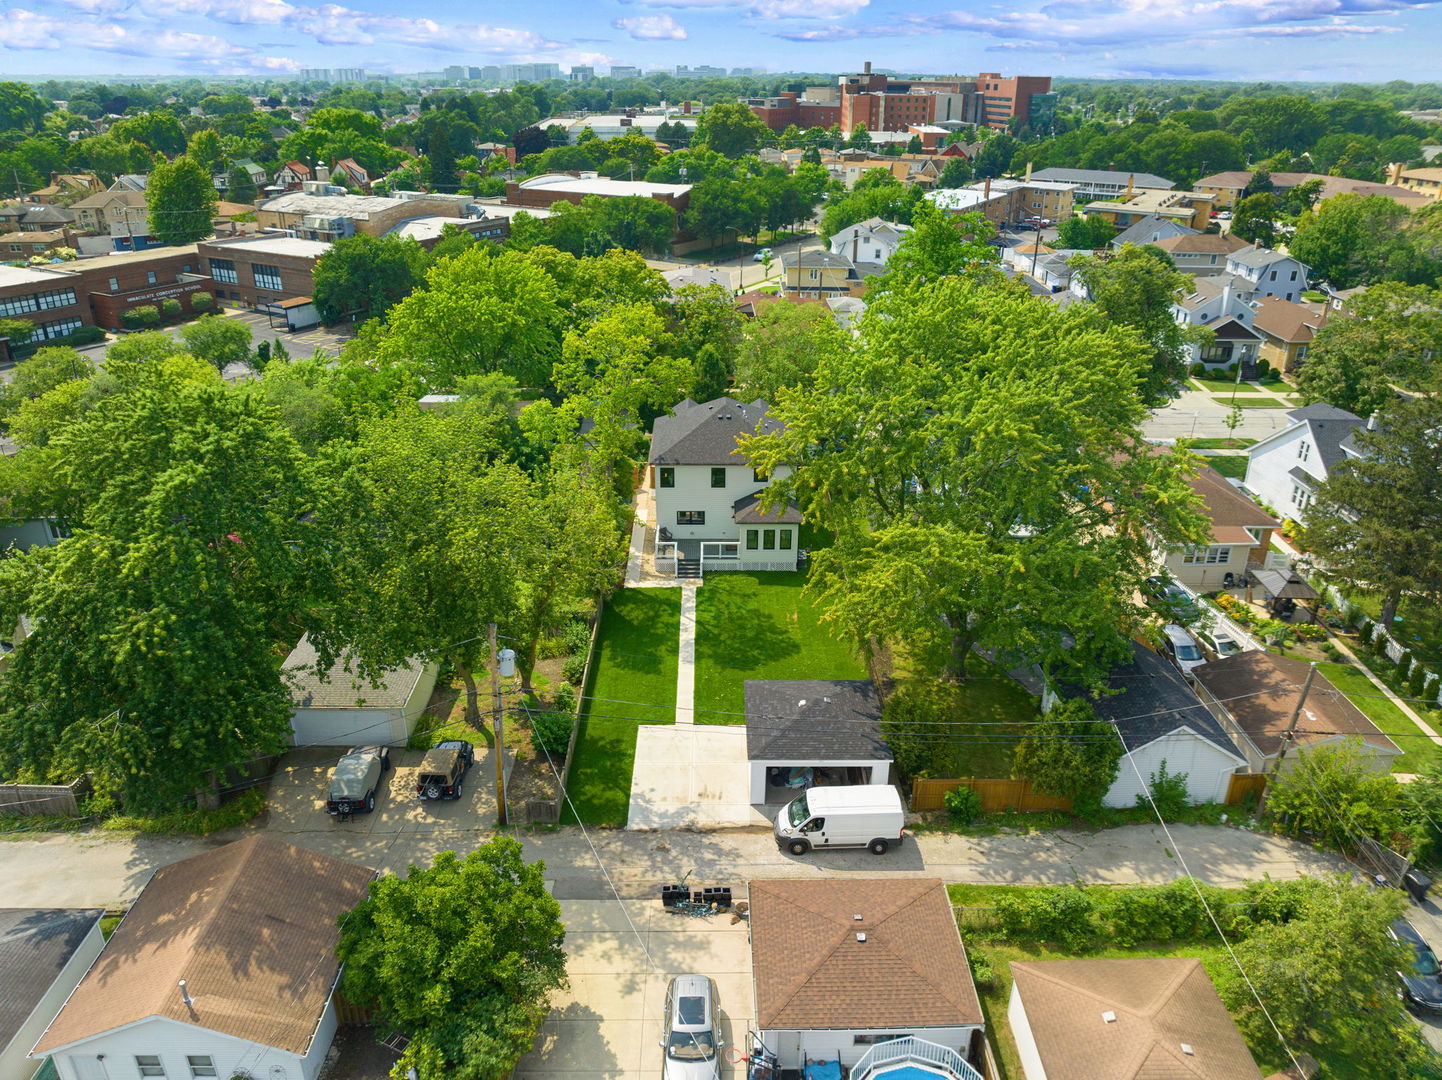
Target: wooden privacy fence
column 996, row 795
column 47, row 799
column 1243, row 786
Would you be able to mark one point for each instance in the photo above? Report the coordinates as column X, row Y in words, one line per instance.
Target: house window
column 58, row 328
column 785, row 535
column 666, row 476
column 15, row 305
column 149, row 1065
column 56, row 298
column 150, row 278
column 752, row 539
column 1301, row 497
column 690, row 517
column 1294, row 275
column 201, row 1065
column 266, row 277
column 1215, row 555
column 1304, row 450
column 815, row 275
column 879, row 1037
column 1217, row 353
column 768, row 539
column 758, row 477
column 718, row 477
column 114, row 284
column 223, row 270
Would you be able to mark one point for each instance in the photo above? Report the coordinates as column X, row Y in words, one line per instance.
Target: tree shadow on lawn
column 633, row 638
column 746, row 635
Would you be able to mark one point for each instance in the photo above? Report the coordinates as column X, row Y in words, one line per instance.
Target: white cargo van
column 862, row 815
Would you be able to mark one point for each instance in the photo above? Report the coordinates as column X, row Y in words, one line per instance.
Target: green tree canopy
column 1071, row 754
column 182, row 201
column 731, row 129
column 362, row 277
column 1353, row 240
column 461, row 957
column 217, row 340
column 782, row 346
column 1085, row 233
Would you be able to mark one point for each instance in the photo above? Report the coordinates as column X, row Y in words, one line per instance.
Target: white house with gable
column 1286, row 468
column 1270, row 273
column 708, row 512
column 873, row 241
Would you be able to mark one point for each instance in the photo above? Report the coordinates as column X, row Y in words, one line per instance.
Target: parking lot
column 297, row 342
column 609, row 1022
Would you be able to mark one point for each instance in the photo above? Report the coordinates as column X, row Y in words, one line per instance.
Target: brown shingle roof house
column 837, row 962
column 1128, row 1019
column 1254, row 693
column 251, row 928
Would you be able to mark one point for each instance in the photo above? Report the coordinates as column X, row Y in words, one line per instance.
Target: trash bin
column 1416, row 883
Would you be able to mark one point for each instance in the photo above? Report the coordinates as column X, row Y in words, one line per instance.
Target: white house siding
column 693, row 491
column 1026, row 1049
column 351, row 727
column 1286, row 278
column 1207, row 767
column 172, row 1042
column 14, row 1064
column 35, row 532
column 880, row 772
column 1208, row 577
column 795, row 1047
column 1270, row 463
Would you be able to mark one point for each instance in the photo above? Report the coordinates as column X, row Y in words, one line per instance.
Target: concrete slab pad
column 689, row 775
column 706, row 954
column 598, row 1047
column 583, row 915
column 605, row 952
column 614, row 996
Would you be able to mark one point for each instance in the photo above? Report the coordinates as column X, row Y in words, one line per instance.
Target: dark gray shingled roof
column 808, row 720
column 35, row 944
column 747, row 511
column 1154, row 701
column 1330, row 428
column 705, row 434
column 337, row 688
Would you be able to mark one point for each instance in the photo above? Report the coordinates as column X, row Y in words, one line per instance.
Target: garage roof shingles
column 811, row 973
column 812, row 720
column 337, row 688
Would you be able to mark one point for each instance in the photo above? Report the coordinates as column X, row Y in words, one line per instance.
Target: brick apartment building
column 549, row 188
column 255, row 270
column 333, row 215
column 882, row 103
column 97, row 292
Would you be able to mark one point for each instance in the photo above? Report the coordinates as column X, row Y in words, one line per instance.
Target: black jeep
column 443, row 768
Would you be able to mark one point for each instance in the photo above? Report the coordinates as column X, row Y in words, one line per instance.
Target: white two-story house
column 1285, row 469
column 708, row 513
column 870, row 244
column 1270, row 273
column 1223, row 303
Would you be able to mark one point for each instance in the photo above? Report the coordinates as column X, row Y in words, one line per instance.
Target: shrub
column 1065, row 916
column 170, row 308
column 201, row 301
column 577, row 636
column 86, row 335
column 144, row 315
column 573, row 669
column 1169, row 793
column 1264, row 369
column 1331, row 652
column 982, row 972
column 551, row 730
column 963, row 804
column 564, row 699
column 1311, row 631
column 1199, row 370
column 1417, row 679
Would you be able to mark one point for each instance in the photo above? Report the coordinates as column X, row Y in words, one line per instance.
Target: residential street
column 65, row 870
column 1196, row 415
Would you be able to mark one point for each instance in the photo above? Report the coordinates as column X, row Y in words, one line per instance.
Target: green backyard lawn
column 1231, row 465
column 1217, row 444
column 985, row 716
column 1419, row 752
column 1417, row 624
column 634, row 680
column 758, row 626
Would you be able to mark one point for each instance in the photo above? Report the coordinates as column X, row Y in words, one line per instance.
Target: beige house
column 1201, row 253
column 99, row 212
column 1190, row 208
column 818, row 274
column 1287, row 331
column 1254, row 695
column 1427, row 181
column 1241, row 533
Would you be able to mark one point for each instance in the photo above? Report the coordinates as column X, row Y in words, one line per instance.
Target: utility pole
column 1287, row 735
column 500, row 748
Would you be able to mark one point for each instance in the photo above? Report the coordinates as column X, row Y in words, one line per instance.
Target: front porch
column 696, row 558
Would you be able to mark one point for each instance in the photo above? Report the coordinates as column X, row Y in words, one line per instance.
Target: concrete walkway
column 686, row 658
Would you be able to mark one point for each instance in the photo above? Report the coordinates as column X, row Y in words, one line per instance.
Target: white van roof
column 822, row 800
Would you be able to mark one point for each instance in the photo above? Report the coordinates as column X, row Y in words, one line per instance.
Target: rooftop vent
column 1109, row 1017
column 856, row 918
column 861, row 937
column 801, row 704
column 185, row 996
column 1187, row 1049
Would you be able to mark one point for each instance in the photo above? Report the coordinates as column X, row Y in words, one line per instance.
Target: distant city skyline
column 1315, row 40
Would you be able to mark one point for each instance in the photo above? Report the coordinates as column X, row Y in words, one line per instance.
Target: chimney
column 322, row 172
column 986, row 191
column 866, row 68
column 185, row 996
column 1372, row 421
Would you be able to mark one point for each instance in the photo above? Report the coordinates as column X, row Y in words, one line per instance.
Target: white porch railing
column 666, row 557
column 913, row 1051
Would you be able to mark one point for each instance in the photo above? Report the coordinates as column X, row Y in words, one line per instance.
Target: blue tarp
column 824, row 1070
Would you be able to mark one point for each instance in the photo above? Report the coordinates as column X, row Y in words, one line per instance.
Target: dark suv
column 443, row 768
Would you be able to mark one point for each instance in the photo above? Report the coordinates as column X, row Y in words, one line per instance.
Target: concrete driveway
column 608, row 1024
column 691, row 776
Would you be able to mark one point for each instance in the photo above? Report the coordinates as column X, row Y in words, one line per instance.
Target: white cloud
column 807, row 9
column 21, row 29
column 232, row 12
column 652, row 28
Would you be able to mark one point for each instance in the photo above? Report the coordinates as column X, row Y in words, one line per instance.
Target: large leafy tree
column 154, row 659
column 182, row 201
column 478, row 314
column 940, row 245
column 1071, row 754
column 1255, row 219
column 1327, row 978
column 239, row 187
column 1383, row 338
column 460, row 957
column 1137, row 287
column 1361, row 240
column 731, row 129
column 986, row 489
column 1085, row 233
column 1377, row 519
column 361, row 277
column 218, row 340
column 783, row 346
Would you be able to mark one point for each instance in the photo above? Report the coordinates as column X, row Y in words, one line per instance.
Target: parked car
column 762, row 255
column 1174, row 599
column 1421, row 983
column 691, row 1030
column 355, row 780
column 1219, row 646
column 444, row 768
column 1182, row 649
column 854, row 815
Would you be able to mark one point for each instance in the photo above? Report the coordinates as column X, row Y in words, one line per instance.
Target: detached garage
column 336, row 707
column 813, row 732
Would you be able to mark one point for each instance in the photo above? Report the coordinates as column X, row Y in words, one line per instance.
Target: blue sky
column 1360, row 40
